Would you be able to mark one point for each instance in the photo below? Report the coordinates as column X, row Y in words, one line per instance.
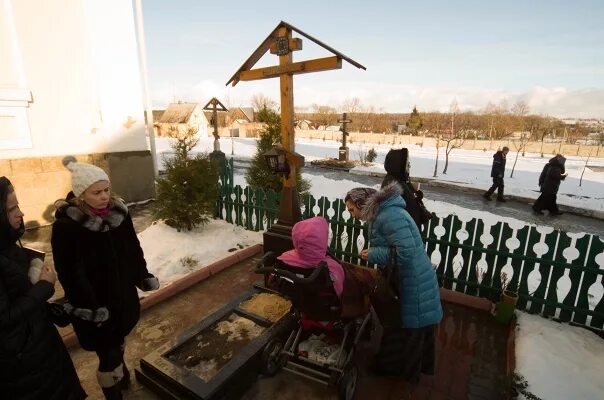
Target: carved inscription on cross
column 343, row 151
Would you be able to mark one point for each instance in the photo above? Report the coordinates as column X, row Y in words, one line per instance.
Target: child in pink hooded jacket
column 310, row 238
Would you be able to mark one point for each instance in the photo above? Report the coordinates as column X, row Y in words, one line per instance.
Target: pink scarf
column 100, row 212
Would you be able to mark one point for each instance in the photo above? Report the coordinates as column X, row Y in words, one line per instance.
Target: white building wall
column 79, row 61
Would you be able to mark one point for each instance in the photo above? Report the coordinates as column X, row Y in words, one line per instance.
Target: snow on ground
column 171, row 254
column 469, row 168
column 559, row 361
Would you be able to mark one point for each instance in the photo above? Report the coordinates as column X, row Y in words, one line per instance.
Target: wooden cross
column 215, row 105
column 344, row 121
column 281, row 43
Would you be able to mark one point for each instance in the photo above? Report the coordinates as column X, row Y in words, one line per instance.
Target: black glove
column 99, row 315
column 150, row 283
column 58, row 315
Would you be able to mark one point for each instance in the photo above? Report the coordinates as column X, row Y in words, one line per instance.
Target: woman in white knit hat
column 100, row 264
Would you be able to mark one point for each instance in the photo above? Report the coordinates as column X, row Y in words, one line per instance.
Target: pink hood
column 310, row 248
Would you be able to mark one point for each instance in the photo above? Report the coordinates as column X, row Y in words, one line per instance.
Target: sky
column 546, row 53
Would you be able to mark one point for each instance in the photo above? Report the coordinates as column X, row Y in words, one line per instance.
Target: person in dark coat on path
column 34, row 363
column 397, row 167
column 100, row 264
column 497, row 172
column 408, row 350
column 549, row 182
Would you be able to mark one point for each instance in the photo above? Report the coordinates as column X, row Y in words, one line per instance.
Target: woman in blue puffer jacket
column 407, row 350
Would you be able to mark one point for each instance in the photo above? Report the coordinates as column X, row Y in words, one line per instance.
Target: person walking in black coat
column 397, row 168
column 100, row 264
column 549, row 182
column 34, row 363
column 497, row 172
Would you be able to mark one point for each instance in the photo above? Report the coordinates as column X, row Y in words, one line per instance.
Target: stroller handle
column 290, row 275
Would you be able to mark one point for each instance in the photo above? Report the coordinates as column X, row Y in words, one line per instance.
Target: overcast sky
column 424, row 53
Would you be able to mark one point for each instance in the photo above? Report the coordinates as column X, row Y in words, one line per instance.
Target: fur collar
column 116, row 215
column 371, row 209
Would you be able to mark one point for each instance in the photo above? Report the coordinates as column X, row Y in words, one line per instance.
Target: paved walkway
column 471, row 349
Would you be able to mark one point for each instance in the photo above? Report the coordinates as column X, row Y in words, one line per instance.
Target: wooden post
column 343, row 150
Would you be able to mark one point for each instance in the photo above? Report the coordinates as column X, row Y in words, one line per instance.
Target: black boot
column 501, row 199
column 113, row 392
column 111, row 382
column 487, row 196
column 125, row 382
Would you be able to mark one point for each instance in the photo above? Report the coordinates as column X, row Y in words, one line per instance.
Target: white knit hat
column 83, row 175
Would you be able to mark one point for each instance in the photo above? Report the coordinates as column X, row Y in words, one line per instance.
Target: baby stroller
column 319, row 311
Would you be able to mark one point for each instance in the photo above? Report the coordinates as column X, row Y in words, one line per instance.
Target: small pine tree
column 259, row 175
column 187, row 194
column 415, row 121
column 371, row 155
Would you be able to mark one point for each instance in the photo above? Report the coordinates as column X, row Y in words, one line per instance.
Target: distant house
column 240, row 122
column 333, row 128
column 400, row 128
column 520, row 135
column 179, row 118
column 157, row 114
column 304, row 124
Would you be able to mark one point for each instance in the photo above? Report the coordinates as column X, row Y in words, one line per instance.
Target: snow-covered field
column 469, row 168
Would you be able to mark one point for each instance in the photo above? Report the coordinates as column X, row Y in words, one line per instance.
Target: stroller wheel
column 348, row 383
column 272, row 359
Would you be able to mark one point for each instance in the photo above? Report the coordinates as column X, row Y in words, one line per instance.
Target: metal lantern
column 277, row 162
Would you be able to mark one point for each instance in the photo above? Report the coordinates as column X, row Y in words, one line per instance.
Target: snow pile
column 171, row 254
column 559, row 361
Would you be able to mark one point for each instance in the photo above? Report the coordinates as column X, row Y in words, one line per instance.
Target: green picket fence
column 556, row 273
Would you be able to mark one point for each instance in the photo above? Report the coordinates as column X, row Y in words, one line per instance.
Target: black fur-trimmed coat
column 100, row 263
column 34, row 364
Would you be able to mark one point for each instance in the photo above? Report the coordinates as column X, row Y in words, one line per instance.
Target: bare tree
column 585, row 166
column 260, row 101
column 439, row 120
column 520, row 108
column 519, row 145
column 437, row 153
column 455, row 137
column 351, row 105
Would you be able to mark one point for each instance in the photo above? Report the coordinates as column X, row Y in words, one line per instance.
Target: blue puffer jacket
column 391, row 225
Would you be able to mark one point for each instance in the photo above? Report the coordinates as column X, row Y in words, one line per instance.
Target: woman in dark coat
column 549, row 181
column 34, row 363
column 409, row 349
column 396, row 165
column 100, row 264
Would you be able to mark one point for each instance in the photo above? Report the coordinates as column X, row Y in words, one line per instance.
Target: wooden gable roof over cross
column 245, row 73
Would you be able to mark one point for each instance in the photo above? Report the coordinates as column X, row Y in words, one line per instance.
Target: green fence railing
column 556, row 273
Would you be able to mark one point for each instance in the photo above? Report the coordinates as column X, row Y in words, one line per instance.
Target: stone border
column 482, row 304
column 70, row 339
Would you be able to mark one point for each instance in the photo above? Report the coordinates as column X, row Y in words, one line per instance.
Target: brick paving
column 470, row 349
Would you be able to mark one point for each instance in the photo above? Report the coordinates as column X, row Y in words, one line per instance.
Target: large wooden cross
column 281, row 43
